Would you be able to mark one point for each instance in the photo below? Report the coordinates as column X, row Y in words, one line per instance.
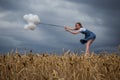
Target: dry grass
column 65, row 67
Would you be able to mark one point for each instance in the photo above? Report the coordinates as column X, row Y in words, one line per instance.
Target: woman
column 89, row 36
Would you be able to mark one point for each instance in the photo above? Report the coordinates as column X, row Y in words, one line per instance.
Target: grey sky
column 101, row 17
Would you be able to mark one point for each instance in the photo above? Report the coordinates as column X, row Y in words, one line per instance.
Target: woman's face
column 77, row 26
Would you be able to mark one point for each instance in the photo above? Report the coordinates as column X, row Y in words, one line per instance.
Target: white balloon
column 26, row 17
column 26, row 27
column 31, row 26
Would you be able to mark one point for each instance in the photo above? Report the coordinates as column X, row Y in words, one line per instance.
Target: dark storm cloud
column 103, row 4
column 13, row 4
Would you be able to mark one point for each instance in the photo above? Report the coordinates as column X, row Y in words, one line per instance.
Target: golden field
column 68, row 66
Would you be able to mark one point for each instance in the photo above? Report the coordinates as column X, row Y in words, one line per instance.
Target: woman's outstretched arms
column 71, row 30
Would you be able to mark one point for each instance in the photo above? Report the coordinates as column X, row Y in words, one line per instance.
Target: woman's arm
column 73, row 32
column 69, row 28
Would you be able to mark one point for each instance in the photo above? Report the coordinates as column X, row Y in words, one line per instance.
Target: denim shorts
column 87, row 38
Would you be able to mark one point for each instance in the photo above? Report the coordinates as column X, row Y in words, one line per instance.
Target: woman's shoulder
column 82, row 29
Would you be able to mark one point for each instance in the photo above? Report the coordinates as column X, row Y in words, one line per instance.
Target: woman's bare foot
column 87, row 54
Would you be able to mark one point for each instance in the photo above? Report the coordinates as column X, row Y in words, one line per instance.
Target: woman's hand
column 66, row 28
column 71, row 30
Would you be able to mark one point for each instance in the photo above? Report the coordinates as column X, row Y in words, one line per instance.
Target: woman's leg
column 87, row 52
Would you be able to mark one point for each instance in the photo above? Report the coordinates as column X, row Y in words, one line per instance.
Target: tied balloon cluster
column 32, row 20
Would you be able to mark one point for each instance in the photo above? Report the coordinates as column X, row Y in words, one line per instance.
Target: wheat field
column 68, row 66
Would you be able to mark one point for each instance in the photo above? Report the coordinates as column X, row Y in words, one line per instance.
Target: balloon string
column 51, row 24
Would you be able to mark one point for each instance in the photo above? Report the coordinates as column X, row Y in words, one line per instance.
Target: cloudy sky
column 100, row 16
